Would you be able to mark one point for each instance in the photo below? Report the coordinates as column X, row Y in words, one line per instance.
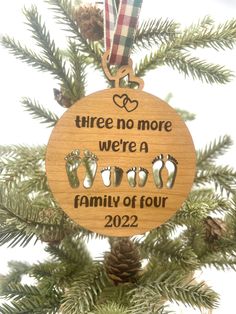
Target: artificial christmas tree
column 71, row 281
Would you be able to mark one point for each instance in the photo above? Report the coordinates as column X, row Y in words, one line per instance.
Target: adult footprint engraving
column 73, row 161
column 171, row 166
column 131, row 176
column 157, row 167
column 142, row 176
column 90, row 163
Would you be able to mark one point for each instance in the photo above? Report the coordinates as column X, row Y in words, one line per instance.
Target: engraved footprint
column 118, row 175
column 90, row 163
column 171, row 166
column 142, row 176
column 131, row 176
column 112, row 175
column 73, row 161
column 106, row 176
column 157, row 167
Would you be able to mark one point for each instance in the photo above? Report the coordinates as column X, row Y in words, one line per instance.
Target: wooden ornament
column 120, row 162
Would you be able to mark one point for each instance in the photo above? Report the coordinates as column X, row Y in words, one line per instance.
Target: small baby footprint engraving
column 106, row 176
column 131, row 175
column 142, row 176
column 118, row 175
column 112, row 176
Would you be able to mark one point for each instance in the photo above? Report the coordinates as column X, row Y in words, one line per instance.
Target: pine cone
column 215, row 228
column 90, row 22
column 61, row 99
column 123, row 264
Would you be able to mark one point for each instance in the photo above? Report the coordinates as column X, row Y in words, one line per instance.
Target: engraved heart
column 120, row 101
column 131, row 105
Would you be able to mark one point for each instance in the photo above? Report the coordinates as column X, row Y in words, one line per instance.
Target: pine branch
column 145, row 300
column 81, row 297
column 16, row 270
column 39, row 112
column 71, row 251
column 198, row 69
column 224, row 178
column 198, row 206
column 25, row 218
column 22, row 151
column 213, row 151
column 18, row 291
column 195, row 295
column 25, row 54
column 219, row 261
column 49, row 50
column 18, row 230
column 186, row 64
column 21, row 164
column 109, row 308
column 115, row 294
column 204, row 34
column 30, row 299
column 171, row 252
column 207, row 35
column 154, row 31
column 49, row 270
column 64, row 13
column 78, row 64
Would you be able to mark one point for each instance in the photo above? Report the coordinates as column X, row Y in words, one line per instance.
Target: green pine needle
column 153, row 32
column 39, row 112
column 212, row 151
column 110, row 308
column 52, row 54
column 25, row 54
column 186, row 64
column 223, row 177
column 78, row 64
column 82, row 295
column 167, row 287
column 206, row 34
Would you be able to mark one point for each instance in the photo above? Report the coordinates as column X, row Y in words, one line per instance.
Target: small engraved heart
column 131, row 105
column 120, row 101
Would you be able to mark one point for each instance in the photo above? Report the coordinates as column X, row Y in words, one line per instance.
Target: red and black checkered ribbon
column 120, row 28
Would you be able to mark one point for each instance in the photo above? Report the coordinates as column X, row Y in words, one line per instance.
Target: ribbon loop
column 120, row 29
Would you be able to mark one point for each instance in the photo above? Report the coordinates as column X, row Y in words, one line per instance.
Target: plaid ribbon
column 120, row 28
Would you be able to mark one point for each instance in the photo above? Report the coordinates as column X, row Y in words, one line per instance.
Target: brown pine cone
column 61, row 99
column 215, row 228
column 90, row 22
column 123, row 263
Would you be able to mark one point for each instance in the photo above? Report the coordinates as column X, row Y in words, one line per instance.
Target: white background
column 213, row 104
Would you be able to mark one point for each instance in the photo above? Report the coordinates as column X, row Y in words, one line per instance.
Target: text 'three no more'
column 123, row 124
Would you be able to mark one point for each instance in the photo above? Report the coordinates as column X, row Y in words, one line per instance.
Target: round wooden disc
column 120, row 162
